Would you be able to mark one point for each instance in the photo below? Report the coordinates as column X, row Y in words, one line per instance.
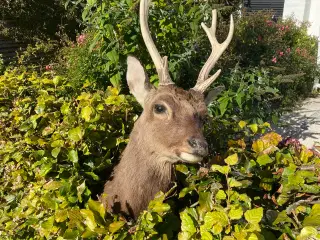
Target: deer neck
column 142, row 158
column 140, row 174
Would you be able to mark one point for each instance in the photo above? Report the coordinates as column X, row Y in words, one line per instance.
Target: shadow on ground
column 303, row 123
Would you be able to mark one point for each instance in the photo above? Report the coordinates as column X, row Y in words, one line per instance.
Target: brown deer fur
column 155, row 144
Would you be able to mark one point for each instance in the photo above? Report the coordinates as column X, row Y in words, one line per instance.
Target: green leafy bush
column 58, row 145
column 30, row 20
column 116, row 33
column 54, row 144
column 1, row 64
column 284, row 47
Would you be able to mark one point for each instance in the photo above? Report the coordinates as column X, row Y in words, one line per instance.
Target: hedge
column 58, row 146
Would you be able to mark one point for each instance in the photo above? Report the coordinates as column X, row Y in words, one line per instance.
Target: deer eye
column 159, row 108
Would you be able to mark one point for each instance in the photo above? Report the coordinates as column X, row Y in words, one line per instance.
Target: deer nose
column 199, row 146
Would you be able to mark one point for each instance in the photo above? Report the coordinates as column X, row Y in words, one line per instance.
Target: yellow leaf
column 232, row 159
column 242, row 124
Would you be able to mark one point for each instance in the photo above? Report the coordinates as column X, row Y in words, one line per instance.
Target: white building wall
column 305, row 10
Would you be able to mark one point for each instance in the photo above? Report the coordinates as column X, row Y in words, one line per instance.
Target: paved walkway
column 303, row 123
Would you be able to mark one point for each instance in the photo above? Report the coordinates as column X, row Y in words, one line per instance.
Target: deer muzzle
column 198, row 150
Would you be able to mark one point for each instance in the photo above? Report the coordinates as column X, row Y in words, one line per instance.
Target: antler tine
column 203, row 81
column 160, row 63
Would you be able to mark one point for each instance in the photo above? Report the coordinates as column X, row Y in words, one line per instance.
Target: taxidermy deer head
column 169, row 129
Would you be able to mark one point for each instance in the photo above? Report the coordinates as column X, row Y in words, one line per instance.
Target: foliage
column 116, row 33
column 284, row 47
column 77, row 61
column 54, row 145
column 31, row 20
column 57, row 145
column 1, row 64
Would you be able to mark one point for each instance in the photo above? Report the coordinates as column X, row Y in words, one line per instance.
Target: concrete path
column 303, row 123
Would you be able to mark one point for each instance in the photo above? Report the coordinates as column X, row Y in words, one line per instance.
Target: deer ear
column 137, row 79
column 213, row 94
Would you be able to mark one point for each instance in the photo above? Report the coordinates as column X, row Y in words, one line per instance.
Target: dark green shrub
column 33, row 19
column 116, row 33
column 285, row 48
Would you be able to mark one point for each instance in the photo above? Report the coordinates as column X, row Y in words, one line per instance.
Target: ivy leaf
column 235, row 212
column 308, row 233
column 55, row 152
column 86, row 113
column 75, row 134
column 232, row 159
column 234, row 183
column 80, row 190
column 221, row 195
column 242, row 124
column 61, row 215
column 73, row 156
column 182, row 168
column 52, row 185
column 264, row 160
column 253, row 127
column 254, row 216
column 116, row 226
column 222, row 169
column 89, row 218
column 65, row 108
column 48, row 224
column 97, row 207
column 314, row 218
column 187, row 224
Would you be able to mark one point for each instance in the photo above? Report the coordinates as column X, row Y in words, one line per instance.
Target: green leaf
column 307, row 233
column 182, row 168
column 56, row 80
column 206, row 235
column 235, row 212
column 80, row 190
column 116, row 226
column 55, row 152
column 187, row 224
column 223, row 104
column 214, row 218
column 86, row 113
column 71, row 234
column 264, row 160
column 314, row 218
column 57, row 143
column 73, row 156
column 61, row 215
column 53, row 185
column 75, row 134
column 48, row 224
column 221, row 195
column 232, row 159
column 253, row 127
column 185, row 191
column 97, row 207
column 65, row 108
column 234, row 183
column 254, row 216
column 222, row 169
column 89, row 218
column 242, row 124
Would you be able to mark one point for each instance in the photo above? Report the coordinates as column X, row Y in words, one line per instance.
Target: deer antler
column 160, row 63
column 203, row 81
